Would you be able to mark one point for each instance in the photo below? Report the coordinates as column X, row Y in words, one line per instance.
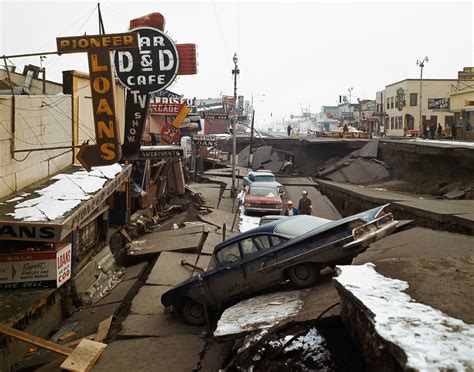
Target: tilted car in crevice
column 295, row 248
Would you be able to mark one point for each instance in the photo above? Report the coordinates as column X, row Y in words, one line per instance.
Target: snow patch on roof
column 65, row 194
column 430, row 339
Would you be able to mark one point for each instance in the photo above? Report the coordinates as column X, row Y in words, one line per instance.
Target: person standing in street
column 290, row 211
column 288, row 129
column 305, row 206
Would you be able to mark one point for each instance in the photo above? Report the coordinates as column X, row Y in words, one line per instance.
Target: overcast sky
column 299, row 54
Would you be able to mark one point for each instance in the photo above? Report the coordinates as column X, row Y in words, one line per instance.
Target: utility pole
column 421, row 64
column 43, row 72
column 251, row 137
column 235, row 72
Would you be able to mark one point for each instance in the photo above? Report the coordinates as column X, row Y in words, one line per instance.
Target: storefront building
column 402, row 106
column 462, row 104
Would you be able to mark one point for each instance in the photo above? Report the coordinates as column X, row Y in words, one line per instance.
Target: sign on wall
column 107, row 151
column 204, row 139
column 438, row 103
column 35, row 269
column 143, row 71
column 466, row 74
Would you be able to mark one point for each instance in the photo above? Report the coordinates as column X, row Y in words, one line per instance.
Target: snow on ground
column 65, row 194
column 311, row 345
column 258, row 313
column 430, row 339
column 443, row 142
column 246, row 222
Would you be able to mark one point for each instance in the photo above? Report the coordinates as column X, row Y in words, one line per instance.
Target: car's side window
column 254, row 244
column 251, row 178
column 262, row 241
column 277, row 239
column 229, row 254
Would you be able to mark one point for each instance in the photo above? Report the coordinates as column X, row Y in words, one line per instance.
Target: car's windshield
column 265, row 178
column 263, row 191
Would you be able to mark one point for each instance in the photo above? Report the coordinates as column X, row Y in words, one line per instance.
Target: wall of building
column 36, row 84
column 40, row 121
column 431, row 89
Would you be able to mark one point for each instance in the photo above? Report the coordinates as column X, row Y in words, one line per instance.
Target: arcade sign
column 164, row 108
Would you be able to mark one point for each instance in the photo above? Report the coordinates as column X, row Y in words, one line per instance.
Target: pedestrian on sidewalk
column 440, row 130
column 288, row 129
column 290, row 210
column 305, row 206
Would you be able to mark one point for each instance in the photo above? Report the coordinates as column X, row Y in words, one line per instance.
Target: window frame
column 413, row 98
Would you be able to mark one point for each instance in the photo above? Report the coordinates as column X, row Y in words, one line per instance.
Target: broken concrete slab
column 217, row 217
column 377, row 312
column 118, row 293
column 135, row 271
column 418, row 242
column 364, row 171
column 156, row 325
column 148, row 300
column 297, row 181
column 215, row 355
column 257, row 313
column 262, row 155
column 174, row 353
column 455, row 194
column 161, row 235
column 85, row 321
column 243, row 157
column 169, row 271
column 184, row 243
column 370, row 150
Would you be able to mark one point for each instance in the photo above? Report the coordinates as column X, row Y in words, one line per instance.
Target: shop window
column 413, row 99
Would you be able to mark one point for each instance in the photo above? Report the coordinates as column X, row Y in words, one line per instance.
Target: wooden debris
column 103, row 329
column 33, row 340
column 84, row 356
column 66, row 336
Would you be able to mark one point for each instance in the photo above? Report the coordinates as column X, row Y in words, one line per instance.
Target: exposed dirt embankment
column 428, row 169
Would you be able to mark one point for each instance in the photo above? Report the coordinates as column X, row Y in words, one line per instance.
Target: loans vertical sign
column 108, row 149
column 143, row 71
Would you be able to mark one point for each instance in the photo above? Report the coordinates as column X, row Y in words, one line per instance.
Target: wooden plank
column 177, row 232
column 84, row 356
column 33, row 340
column 103, row 329
column 75, row 342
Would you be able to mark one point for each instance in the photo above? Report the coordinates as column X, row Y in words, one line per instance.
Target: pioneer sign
column 144, row 70
column 107, row 150
column 438, row 103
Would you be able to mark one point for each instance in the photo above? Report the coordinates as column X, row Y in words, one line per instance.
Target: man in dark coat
column 305, row 206
column 288, row 129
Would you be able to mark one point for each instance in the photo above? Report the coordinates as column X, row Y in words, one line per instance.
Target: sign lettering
column 107, row 150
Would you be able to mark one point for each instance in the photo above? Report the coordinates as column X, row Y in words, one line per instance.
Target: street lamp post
column 235, row 72
column 421, row 64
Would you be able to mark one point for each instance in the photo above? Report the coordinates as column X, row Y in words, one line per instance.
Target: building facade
column 461, row 104
column 402, row 106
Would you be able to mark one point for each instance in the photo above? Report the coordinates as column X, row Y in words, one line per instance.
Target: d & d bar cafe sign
column 143, row 71
column 107, row 150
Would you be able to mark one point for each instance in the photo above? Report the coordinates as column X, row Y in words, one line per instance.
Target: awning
column 48, row 211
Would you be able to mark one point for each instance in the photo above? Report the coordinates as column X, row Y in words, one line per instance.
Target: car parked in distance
column 294, row 248
column 263, row 176
column 262, row 197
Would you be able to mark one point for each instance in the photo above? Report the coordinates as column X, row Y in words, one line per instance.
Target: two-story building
column 402, row 105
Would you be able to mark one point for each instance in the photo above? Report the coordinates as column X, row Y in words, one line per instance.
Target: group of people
column 304, row 206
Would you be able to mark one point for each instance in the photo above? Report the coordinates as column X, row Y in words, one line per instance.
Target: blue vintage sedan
column 295, row 248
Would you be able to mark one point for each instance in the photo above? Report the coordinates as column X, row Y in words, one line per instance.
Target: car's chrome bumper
column 263, row 209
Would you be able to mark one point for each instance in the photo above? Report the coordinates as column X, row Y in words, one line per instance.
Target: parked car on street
column 294, row 248
column 262, row 197
column 263, row 176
